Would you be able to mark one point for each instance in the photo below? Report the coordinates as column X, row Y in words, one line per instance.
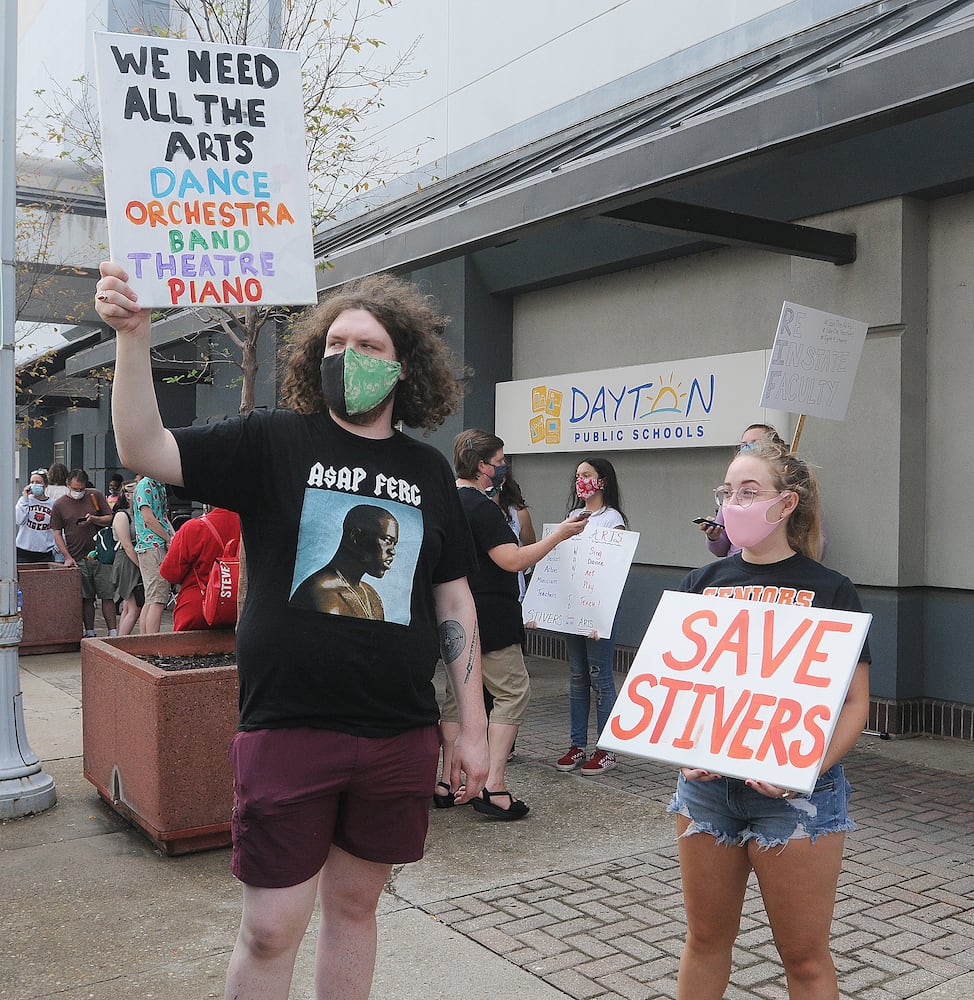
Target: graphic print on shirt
column 356, row 555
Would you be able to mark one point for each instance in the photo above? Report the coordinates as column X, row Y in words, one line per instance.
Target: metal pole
column 24, row 786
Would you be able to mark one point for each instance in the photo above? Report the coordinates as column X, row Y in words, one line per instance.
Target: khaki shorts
column 506, row 678
column 157, row 590
column 96, row 580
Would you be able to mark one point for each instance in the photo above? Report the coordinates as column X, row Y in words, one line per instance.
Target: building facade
column 816, row 153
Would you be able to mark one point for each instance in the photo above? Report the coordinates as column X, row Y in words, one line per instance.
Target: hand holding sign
column 738, row 688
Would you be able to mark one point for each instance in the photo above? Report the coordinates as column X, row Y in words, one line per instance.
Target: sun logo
column 668, row 398
column 545, row 426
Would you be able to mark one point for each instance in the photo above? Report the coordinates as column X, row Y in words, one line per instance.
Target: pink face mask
column 585, row 488
column 749, row 526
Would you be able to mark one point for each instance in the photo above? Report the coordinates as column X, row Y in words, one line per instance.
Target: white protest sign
column 813, row 362
column 576, row 587
column 741, row 688
column 206, row 180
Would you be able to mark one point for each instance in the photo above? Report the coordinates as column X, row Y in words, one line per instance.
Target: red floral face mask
column 585, row 488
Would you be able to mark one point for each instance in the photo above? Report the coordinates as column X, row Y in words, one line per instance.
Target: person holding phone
column 726, row 827
column 76, row 518
column 717, row 541
column 594, row 497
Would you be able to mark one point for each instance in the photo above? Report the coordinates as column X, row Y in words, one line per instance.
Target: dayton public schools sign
column 697, row 402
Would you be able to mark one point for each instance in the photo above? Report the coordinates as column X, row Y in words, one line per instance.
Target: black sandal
column 483, row 805
column 443, row 801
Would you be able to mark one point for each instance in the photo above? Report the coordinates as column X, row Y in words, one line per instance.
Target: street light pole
column 24, row 786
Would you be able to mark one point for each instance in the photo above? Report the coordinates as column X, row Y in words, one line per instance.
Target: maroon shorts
column 298, row 791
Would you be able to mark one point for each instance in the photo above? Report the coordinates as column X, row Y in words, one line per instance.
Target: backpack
column 220, row 591
column 105, row 546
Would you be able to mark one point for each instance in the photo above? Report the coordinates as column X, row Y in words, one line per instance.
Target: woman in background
column 33, row 517
column 595, row 496
column 717, row 541
column 125, row 569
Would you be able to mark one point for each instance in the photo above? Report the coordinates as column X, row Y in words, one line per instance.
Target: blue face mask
column 37, row 489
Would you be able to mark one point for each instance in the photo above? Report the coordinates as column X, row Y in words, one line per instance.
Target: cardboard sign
column 813, row 362
column 206, row 181
column 576, row 588
column 741, row 688
column 693, row 403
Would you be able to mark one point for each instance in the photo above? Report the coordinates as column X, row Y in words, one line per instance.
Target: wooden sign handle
column 799, row 427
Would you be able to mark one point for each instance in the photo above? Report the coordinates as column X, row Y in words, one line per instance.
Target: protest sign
column 741, row 688
column 206, row 182
column 813, row 362
column 577, row 586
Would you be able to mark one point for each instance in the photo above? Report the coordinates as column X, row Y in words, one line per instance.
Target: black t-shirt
column 362, row 661
column 495, row 590
column 795, row 580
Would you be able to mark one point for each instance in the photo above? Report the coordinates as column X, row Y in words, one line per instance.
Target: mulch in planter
column 191, row 662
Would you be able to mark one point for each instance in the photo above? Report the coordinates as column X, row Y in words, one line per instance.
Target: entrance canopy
column 875, row 104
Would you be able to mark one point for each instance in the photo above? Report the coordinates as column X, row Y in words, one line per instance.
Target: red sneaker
column 600, row 762
column 570, row 760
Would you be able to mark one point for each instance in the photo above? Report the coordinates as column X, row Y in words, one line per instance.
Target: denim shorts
column 729, row 810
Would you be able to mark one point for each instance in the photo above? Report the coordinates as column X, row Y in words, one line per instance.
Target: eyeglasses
column 745, row 495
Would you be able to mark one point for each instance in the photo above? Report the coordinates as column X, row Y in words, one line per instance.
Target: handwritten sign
column 813, row 362
column 741, row 688
column 576, row 588
column 205, row 171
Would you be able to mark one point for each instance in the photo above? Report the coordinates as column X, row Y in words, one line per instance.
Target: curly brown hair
column 432, row 387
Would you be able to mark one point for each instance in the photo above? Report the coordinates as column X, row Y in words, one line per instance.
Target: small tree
column 344, row 77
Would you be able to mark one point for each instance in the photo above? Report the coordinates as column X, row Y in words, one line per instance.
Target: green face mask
column 354, row 383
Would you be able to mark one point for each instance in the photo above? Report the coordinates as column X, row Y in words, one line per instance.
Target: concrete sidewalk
column 581, row 899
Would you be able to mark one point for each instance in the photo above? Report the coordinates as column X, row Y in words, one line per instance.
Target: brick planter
column 52, row 607
column 155, row 741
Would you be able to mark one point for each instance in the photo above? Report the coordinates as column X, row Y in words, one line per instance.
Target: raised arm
column 143, row 443
column 460, row 649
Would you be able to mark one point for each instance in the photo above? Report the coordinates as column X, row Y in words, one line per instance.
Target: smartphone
column 583, row 515
column 81, row 520
column 707, row 521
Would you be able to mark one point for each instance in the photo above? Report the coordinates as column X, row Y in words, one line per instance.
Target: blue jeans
column 590, row 669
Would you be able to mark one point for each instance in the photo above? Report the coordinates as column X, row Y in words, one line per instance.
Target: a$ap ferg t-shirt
column 323, row 640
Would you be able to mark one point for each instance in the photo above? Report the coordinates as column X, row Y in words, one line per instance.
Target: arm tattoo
column 452, row 640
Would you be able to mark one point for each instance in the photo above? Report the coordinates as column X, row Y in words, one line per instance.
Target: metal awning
column 807, row 125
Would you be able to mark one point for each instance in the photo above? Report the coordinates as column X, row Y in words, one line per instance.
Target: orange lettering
column 786, row 716
column 737, row 749
column 673, row 688
column 770, row 661
column 734, row 640
column 684, row 741
column 698, row 641
column 814, row 655
column 722, row 726
column 795, row 756
column 646, row 704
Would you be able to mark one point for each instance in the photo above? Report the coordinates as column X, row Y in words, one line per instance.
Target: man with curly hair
column 335, row 757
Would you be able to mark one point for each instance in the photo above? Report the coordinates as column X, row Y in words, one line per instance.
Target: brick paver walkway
column 904, row 917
